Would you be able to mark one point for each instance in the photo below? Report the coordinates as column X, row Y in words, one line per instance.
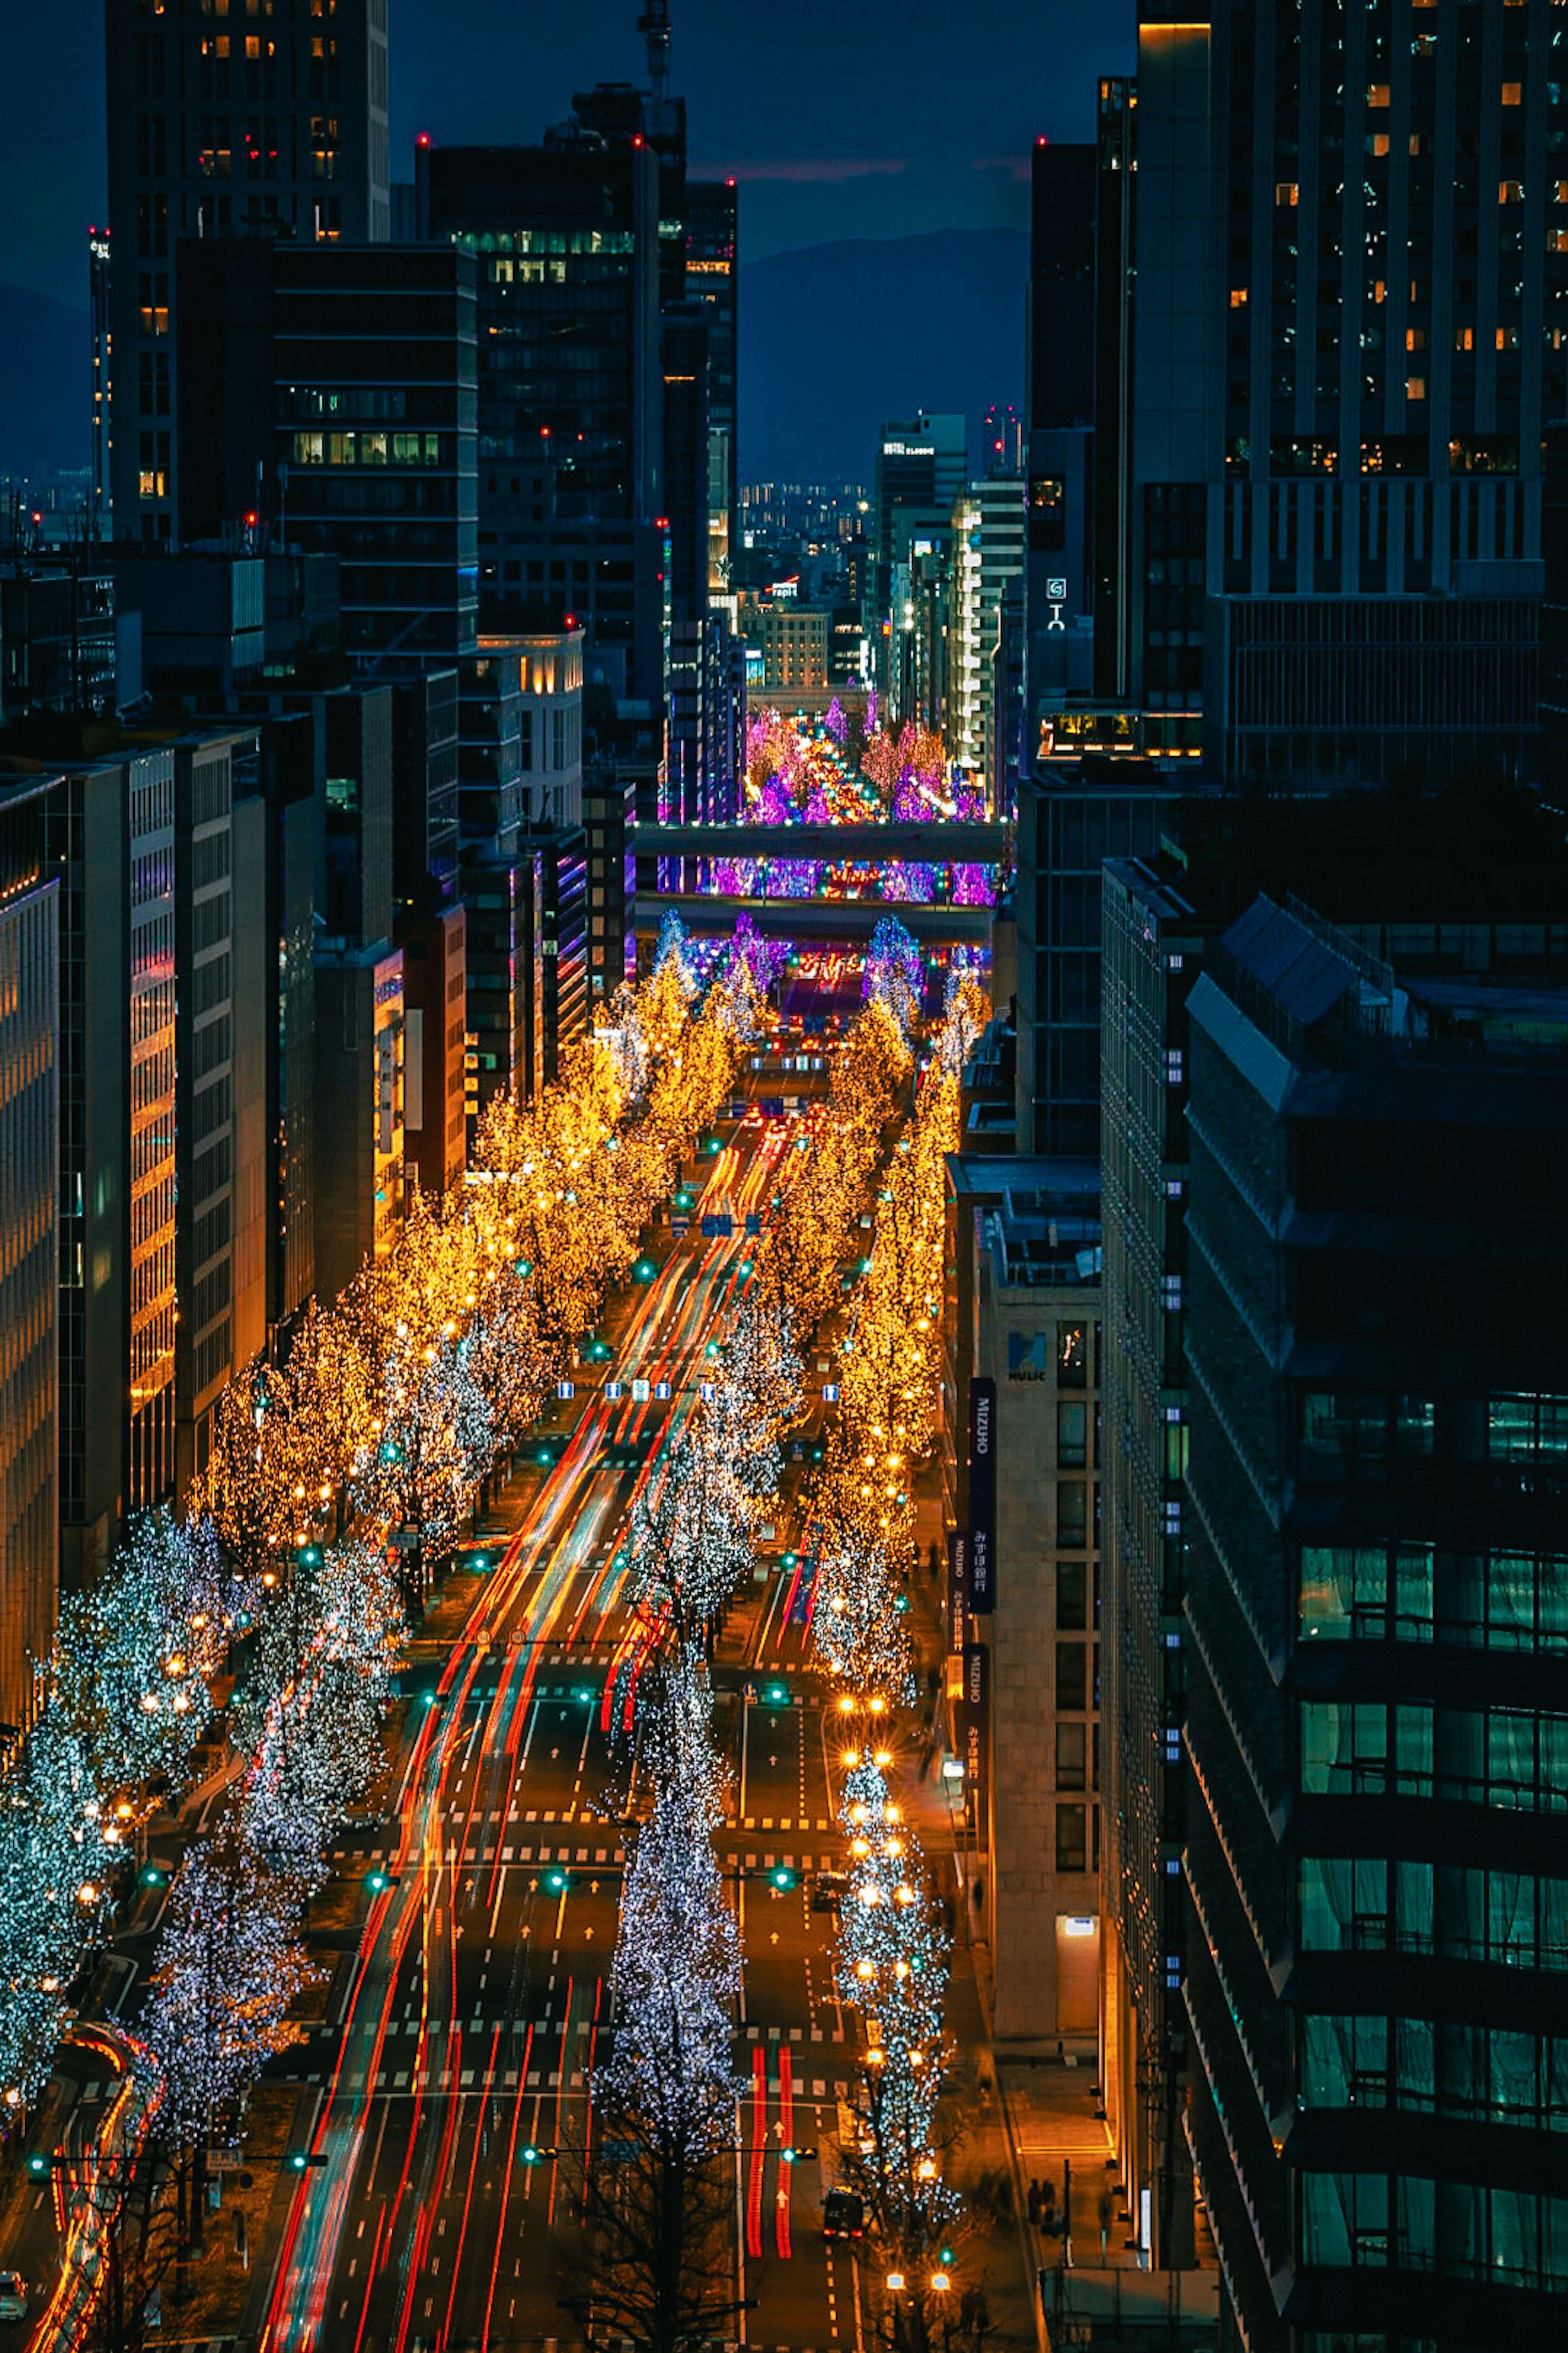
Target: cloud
column 803, row 169
column 1017, row 167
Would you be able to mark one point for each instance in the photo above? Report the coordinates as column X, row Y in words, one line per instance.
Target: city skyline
column 835, row 134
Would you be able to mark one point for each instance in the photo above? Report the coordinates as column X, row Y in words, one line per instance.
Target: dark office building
column 56, row 642
column 222, row 127
column 712, row 280
column 566, row 244
column 285, row 784
column 504, row 910
column 1060, row 408
column 609, row 812
column 1070, row 822
column 328, row 390
column 563, row 947
column 1150, row 951
column 424, row 789
column 1339, row 381
column 1377, row 1633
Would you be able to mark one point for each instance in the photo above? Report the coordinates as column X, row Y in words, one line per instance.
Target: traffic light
column 40, row 2165
column 784, row 1879
column 645, row 1269
column 151, row 1875
column 305, row 2160
column 557, row 1880
column 379, row 1881
column 530, row 2155
column 777, row 1695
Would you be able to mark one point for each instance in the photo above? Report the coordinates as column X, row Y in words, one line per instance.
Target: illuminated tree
column 328, row 1648
column 126, row 1680
column 659, row 2207
column 227, row 1969
column 857, row 1625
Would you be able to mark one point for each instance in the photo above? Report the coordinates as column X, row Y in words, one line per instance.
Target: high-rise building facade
column 712, row 280
column 329, row 392
column 1340, row 380
column 29, row 1272
column 1377, row 1638
column 1150, row 953
column 566, row 238
column 112, row 844
column 222, row 126
column 988, row 556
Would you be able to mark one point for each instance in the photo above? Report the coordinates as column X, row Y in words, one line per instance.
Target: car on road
column 13, row 2297
column 843, row 2215
column 828, row 1890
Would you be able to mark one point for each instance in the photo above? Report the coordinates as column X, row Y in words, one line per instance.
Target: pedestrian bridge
column 814, row 919
column 965, row 842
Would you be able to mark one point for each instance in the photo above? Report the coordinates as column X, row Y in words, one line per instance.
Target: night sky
column 841, row 118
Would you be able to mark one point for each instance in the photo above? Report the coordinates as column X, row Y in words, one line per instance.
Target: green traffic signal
column 777, row 1695
column 531, row 2154
column 645, row 1269
column 302, row 2160
column 379, row 1881
column 556, row 1880
column 151, row 1877
column 784, row 1879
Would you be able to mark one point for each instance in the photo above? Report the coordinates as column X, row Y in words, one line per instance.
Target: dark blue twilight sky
column 840, row 118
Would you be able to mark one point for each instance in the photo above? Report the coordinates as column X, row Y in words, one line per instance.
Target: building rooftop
column 1039, row 1218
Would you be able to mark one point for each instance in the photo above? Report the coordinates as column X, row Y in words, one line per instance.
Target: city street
column 449, row 2094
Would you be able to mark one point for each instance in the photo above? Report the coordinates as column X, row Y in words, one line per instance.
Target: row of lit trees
column 388, row 1413
column 890, row 1377
column 891, row 1952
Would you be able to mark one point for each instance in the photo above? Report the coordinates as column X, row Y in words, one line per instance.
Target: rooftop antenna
column 654, row 26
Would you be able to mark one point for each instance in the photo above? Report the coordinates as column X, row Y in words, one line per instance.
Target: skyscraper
column 29, row 1274
column 221, row 126
column 1352, row 325
column 330, row 395
column 1377, row 1631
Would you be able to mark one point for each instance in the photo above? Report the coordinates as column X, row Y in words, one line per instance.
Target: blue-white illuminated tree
column 226, row 1970
column 327, row 1657
column 660, row 2208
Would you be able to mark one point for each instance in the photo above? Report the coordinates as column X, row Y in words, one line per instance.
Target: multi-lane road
column 448, row 2099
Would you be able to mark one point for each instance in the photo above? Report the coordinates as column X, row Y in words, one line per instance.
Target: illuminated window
column 1557, row 240
column 1464, row 338
column 1511, row 192
column 1512, row 93
column 1379, row 291
column 1377, row 95
column 1380, row 142
column 1415, row 387
column 1286, row 191
column 1507, row 339
column 1239, row 298
column 1414, row 339
column 1420, row 144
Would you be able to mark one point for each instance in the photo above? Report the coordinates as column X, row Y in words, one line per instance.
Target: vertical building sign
column 983, row 1497
column 957, row 1590
column 974, row 1724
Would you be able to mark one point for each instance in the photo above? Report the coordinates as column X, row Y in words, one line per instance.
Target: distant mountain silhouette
column 45, row 385
column 833, row 338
